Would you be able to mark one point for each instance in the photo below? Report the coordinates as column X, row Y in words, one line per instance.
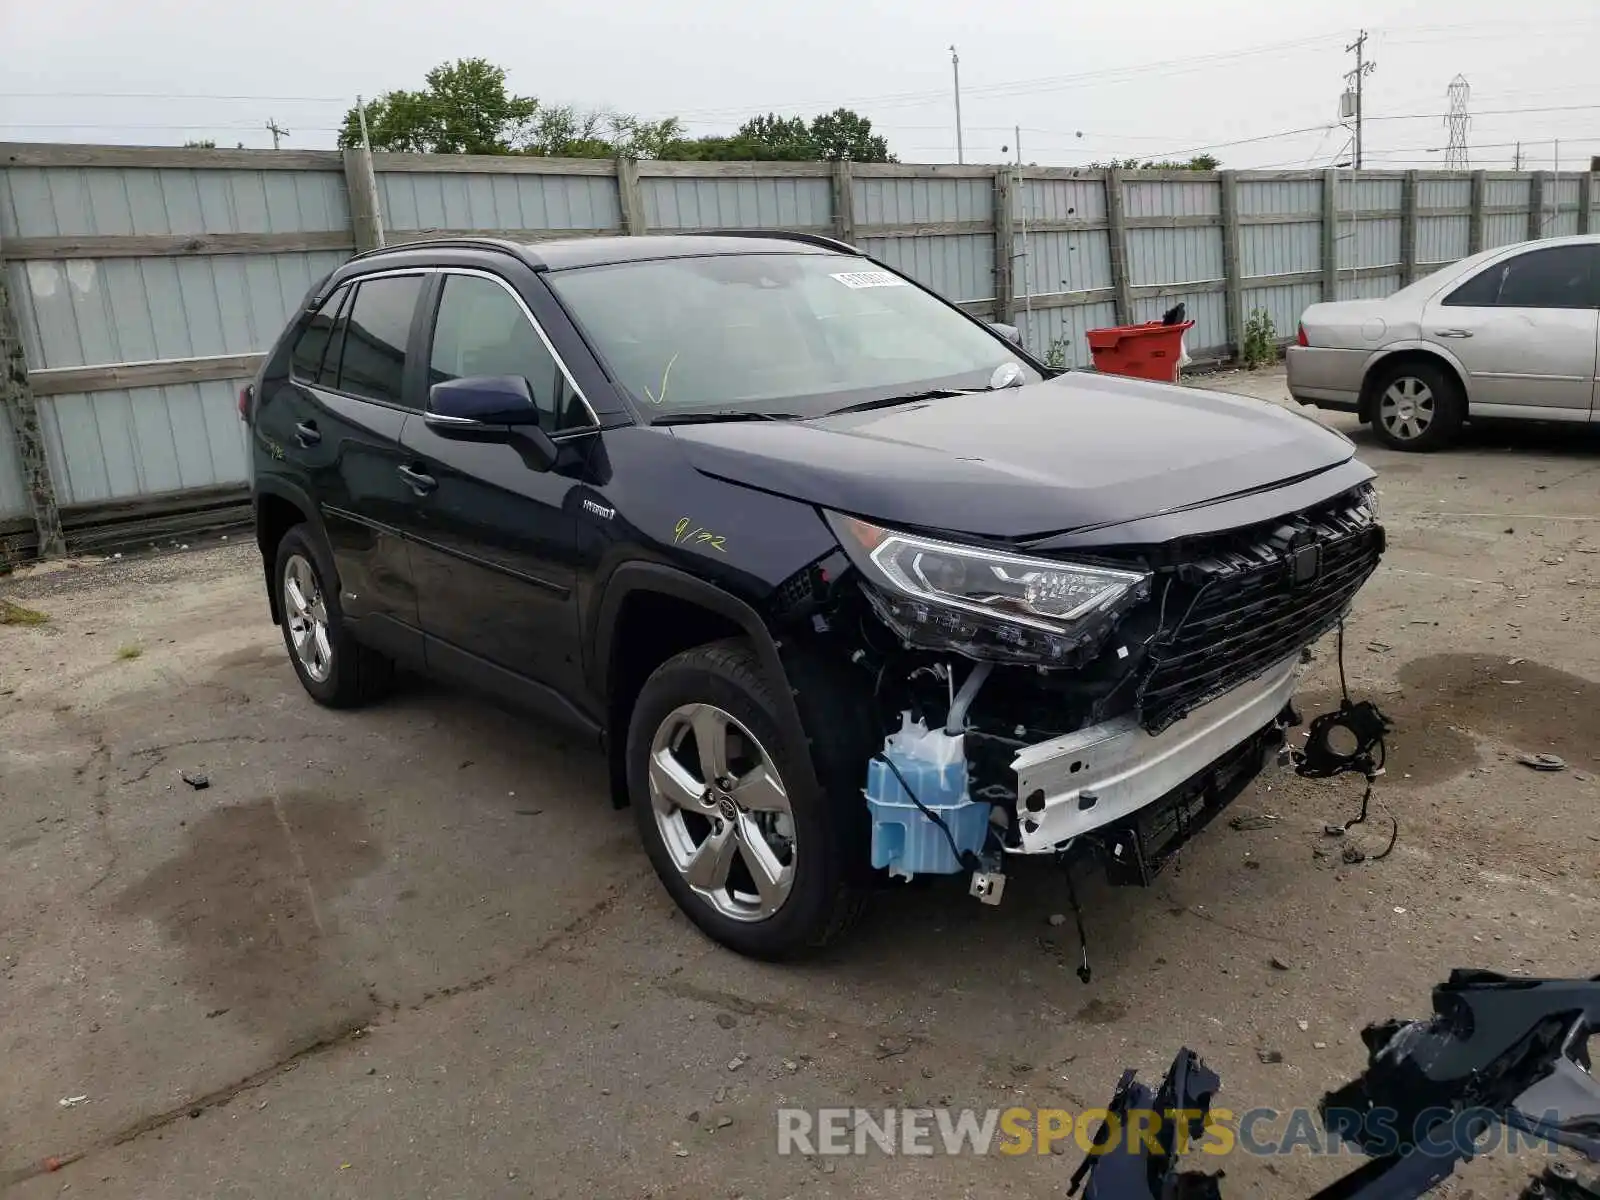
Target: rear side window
column 482, row 330
column 1555, row 277
column 379, row 325
column 310, row 355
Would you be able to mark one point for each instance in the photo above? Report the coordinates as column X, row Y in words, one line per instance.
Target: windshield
column 782, row 334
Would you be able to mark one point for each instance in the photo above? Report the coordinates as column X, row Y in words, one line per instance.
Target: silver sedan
column 1511, row 332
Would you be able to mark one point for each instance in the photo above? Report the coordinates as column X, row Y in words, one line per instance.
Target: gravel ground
column 411, row 951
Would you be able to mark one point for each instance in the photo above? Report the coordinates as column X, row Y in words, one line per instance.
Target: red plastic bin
column 1148, row 351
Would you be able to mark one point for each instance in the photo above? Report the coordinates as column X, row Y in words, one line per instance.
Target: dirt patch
column 259, row 658
column 247, row 900
column 1528, row 706
column 1450, row 701
column 1100, row 1011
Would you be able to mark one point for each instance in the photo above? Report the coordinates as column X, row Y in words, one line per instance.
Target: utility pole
column 1021, row 193
column 1354, row 79
column 1516, row 163
column 276, row 131
column 955, row 68
column 1458, row 122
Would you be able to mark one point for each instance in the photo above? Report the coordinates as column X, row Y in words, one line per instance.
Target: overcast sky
column 1151, row 78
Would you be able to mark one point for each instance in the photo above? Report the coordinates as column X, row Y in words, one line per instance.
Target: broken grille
column 1243, row 611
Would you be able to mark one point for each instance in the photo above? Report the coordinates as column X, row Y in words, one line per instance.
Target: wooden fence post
column 1408, row 229
column 366, row 214
column 1232, row 267
column 1585, row 200
column 1480, row 185
column 631, row 198
column 844, row 202
column 1117, row 230
column 1330, row 234
column 16, row 398
column 1536, row 190
column 1005, row 262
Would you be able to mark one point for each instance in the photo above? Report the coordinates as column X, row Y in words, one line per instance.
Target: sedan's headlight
column 988, row 604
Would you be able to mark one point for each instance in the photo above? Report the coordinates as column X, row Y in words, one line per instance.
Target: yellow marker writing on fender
column 684, row 535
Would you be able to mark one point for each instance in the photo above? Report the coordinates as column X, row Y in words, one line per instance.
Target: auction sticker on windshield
column 870, row 279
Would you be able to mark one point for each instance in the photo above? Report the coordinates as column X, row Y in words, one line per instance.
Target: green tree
column 844, row 134
column 639, row 138
column 1200, row 162
column 776, row 138
column 770, row 138
column 465, row 108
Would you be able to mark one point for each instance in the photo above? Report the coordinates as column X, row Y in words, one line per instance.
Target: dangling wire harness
column 1360, row 730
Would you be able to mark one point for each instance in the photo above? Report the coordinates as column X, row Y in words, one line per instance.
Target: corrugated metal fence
column 145, row 282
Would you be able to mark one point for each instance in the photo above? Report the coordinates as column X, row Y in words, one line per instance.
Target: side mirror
column 482, row 400
column 1010, row 332
column 491, row 408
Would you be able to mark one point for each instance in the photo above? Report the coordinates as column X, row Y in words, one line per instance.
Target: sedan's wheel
column 1417, row 406
column 1406, row 408
column 724, row 788
column 723, row 813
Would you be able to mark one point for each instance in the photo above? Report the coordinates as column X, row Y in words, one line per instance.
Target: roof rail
column 456, row 242
column 786, row 235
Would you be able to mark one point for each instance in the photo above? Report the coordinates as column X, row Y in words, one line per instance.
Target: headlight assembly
column 988, row 604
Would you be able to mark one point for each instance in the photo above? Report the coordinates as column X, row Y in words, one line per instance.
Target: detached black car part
column 1498, row 1049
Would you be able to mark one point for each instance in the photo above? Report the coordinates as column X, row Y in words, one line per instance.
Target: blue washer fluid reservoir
column 934, row 764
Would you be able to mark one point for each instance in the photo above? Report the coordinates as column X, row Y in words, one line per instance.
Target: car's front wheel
column 1417, row 406
column 741, row 835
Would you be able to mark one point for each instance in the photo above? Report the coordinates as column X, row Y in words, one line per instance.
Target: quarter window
column 309, row 360
column 373, row 365
column 481, row 330
column 1555, row 277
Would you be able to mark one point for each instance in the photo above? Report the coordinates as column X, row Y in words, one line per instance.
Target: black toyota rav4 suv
column 739, row 508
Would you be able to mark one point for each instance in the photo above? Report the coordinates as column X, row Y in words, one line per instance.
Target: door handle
column 306, row 433
column 420, row 482
column 1452, row 333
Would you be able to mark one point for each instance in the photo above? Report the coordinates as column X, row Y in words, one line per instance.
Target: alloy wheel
column 1406, row 408
column 722, row 812
column 306, row 615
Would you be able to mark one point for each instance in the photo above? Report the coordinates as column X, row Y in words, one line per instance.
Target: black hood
column 1079, row 450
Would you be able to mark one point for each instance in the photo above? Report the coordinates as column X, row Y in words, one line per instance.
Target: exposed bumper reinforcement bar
column 1083, row 781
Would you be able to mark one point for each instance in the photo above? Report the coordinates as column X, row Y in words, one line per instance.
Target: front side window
column 798, row 334
column 309, row 360
column 481, row 330
column 379, row 325
column 1555, row 277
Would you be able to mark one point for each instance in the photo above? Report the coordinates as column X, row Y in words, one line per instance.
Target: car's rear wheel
column 333, row 667
column 1417, row 406
column 750, row 847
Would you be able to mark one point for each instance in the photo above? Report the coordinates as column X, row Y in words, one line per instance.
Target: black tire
column 356, row 674
column 1448, row 406
column 831, row 876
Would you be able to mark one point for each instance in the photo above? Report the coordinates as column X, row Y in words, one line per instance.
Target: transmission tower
column 1455, row 154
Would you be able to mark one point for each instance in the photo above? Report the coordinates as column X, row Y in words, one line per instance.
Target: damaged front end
column 1114, row 700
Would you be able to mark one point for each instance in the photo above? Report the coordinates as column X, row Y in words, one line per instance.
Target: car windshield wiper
column 714, row 418
column 908, row 398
